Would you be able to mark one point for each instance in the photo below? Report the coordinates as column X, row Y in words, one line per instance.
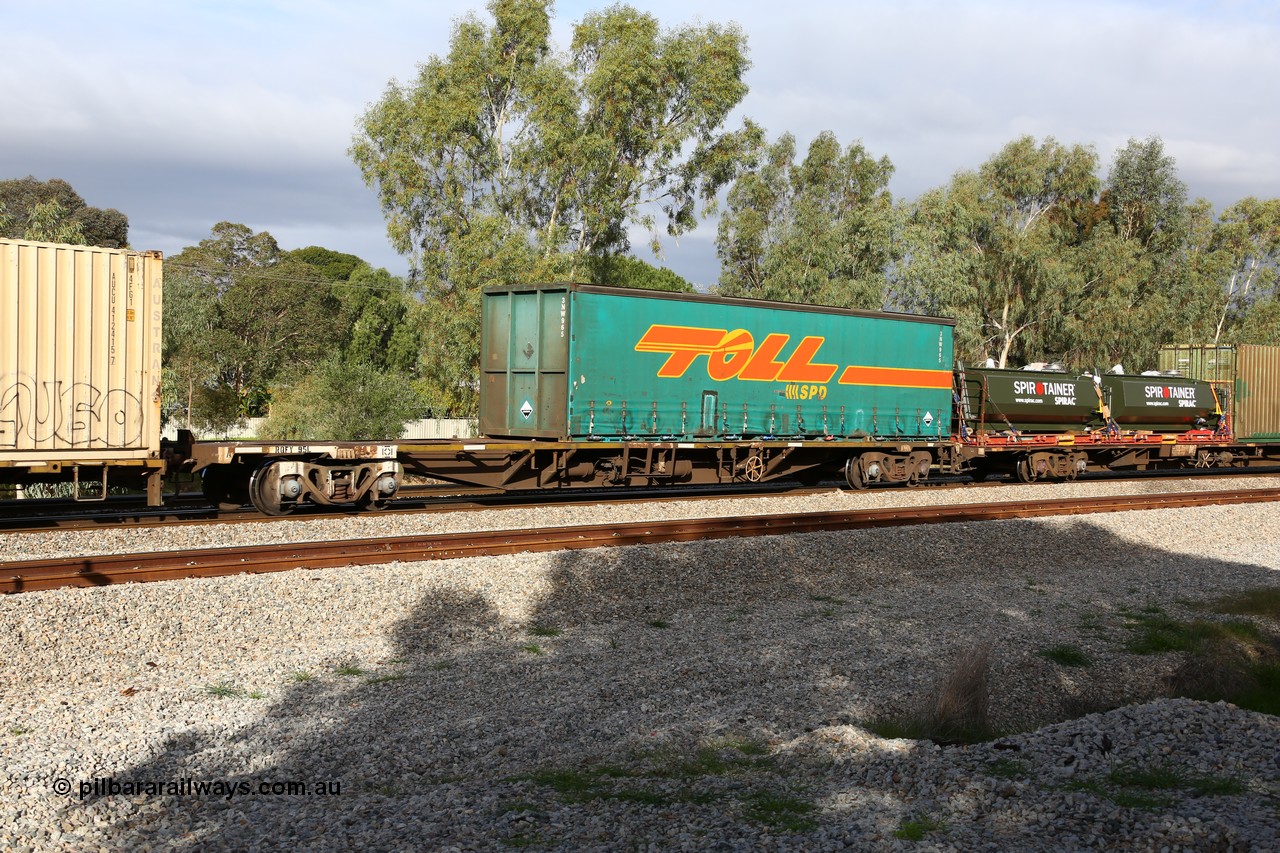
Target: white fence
column 439, row 428
column 419, row 430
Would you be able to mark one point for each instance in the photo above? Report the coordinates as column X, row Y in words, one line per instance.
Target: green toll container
column 1246, row 379
column 995, row 400
column 584, row 362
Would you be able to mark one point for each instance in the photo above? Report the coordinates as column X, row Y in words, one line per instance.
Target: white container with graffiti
column 80, row 346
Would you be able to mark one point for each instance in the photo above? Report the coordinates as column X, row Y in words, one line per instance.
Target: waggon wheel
column 920, row 474
column 369, row 503
column 380, row 494
column 265, row 491
column 1026, row 471
column 853, row 474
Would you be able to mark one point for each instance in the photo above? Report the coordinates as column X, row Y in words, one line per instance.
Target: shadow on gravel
column 657, row 694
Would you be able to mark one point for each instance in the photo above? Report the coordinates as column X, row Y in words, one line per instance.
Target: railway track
column 111, row 569
column 194, row 510
column 53, row 515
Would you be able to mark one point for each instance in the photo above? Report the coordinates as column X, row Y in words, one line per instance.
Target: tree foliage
column 335, row 266
column 246, row 323
column 625, row 271
column 1248, row 242
column 819, row 231
column 509, row 161
column 52, row 211
column 1145, row 200
column 341, row 400
column 1039, row 260
column 990, row 248
column 1131, row 263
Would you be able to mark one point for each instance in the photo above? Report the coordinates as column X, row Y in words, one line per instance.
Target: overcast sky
column 182, row 114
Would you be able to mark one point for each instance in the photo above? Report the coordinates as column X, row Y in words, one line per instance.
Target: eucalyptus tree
column 820, row 231
column 52, row 211
column 507, row 160
column 244, row 319
column 1248, row 238
column 1135, row 260
column 1144, row 198
column 988, row 248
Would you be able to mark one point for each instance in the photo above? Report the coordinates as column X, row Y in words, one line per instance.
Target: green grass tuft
column 1157, row 634
column 916, row 830
column 572, row 784
column 659, row 623
column 684, row 773
column 545, row 631
column 1153, row 787
column 351, row 669
column 1263, row 601
column 532, row 648
column 780, row 811
column 389, row 677
column 521, row 840
column 222, row 690
column 1065, row 655
column 1008, row 768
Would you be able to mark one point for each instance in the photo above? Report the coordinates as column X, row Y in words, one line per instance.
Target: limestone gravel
column 697, row 696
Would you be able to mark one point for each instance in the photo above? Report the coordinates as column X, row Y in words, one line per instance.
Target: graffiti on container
column 76, row 415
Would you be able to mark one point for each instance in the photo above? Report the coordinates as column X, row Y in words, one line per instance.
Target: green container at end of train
column 1246, row 378
column 584, row 362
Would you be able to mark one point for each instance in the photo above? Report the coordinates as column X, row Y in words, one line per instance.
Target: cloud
column 182, row 115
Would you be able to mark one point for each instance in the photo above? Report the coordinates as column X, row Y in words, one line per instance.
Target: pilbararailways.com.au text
column 110, row 786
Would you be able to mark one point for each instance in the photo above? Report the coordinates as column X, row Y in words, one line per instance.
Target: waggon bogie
column 278, row 479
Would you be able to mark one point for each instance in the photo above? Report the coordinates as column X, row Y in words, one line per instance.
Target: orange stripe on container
column 897, row 377
column 667, row 338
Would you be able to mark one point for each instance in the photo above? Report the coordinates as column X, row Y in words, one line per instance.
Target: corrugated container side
column 80, row 347
column 1251, row 372
column 1211, row 364
column 1258, row 392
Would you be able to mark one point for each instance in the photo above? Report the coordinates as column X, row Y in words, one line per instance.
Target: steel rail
column 110, row 569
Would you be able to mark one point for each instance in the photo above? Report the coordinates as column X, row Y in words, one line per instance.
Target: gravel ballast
column 684, row 697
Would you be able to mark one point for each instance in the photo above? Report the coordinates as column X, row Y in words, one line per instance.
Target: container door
column 525, row 356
